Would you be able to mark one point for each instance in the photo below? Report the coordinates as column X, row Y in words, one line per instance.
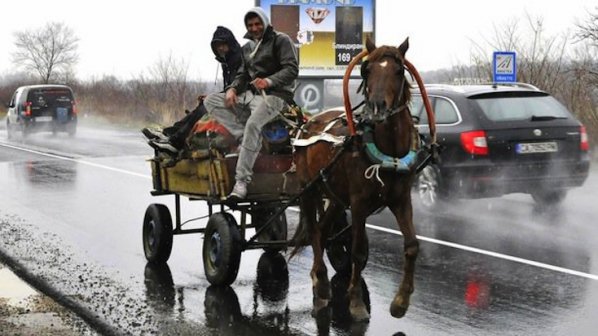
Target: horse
column 335, row 176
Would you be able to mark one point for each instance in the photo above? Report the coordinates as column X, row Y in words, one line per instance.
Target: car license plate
column 536, row 147
column 43, row 119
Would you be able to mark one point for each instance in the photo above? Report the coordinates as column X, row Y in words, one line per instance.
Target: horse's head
column 384, row 85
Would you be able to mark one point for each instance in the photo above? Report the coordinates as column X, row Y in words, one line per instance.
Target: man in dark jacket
column 264, row 84
column 228, row 53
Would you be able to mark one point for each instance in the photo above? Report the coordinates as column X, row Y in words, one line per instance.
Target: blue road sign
column 504, row 67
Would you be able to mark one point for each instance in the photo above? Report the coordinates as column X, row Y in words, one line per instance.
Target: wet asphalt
column 71, row 214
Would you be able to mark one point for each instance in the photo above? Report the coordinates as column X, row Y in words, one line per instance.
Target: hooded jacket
column 232, row 60
column 274, row 58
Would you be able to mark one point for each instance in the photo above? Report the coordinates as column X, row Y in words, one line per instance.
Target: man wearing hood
column 264, row 84
column 228, row 53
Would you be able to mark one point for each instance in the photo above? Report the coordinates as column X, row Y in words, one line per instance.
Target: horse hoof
column 360, row 314
column 397, row 310
column 319, row 304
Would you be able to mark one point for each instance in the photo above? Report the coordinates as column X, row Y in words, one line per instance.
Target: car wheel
column 552, row 197
column 428, row 187
column 157, row 233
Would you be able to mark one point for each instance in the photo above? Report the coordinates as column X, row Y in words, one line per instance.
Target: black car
column 500, row 139
column 42, row 107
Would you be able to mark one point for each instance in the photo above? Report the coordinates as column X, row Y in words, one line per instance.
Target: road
column 71, row 212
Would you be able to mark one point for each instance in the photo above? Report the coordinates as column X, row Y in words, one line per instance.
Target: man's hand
column 260, row 83
column 231, row 98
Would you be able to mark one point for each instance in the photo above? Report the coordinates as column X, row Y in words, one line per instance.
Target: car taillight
column 27, row 108
column 474, row 142
column 75, row 111
column 584, row 145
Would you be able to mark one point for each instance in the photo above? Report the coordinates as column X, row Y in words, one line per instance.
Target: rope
column 373, row 170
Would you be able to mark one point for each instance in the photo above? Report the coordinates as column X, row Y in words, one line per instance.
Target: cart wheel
column 339, row 249
column 221, row 249
column 157, row 233
column 277, row 229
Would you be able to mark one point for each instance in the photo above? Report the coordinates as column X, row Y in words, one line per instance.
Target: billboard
column 327, row 33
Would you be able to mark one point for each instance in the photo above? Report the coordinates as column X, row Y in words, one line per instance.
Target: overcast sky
column 126, row 37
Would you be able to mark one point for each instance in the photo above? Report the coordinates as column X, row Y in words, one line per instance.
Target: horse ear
column 369, row 44
column 404, row 46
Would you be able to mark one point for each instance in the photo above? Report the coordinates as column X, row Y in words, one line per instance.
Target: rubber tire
column 221, row 249
column 548, row 198
column 157, row 233
column 277, row 229
column 338, row 250
column 71, row 128
column 9, row 130
column 25, row 131
column 428, row 188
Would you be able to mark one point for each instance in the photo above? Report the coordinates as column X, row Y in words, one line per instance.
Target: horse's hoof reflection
column 323, row 318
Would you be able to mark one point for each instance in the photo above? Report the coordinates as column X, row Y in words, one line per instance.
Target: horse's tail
column 301, row 237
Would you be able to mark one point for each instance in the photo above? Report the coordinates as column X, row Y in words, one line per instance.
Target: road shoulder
column 26, row 311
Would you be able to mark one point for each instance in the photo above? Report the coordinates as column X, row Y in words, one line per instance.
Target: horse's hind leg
column 404, row 215
column 311, row 205
column 359, row 252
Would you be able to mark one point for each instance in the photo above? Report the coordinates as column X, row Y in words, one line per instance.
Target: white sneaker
column 239, row 190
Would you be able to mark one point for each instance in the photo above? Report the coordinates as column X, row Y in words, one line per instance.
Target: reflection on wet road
column 486, row 267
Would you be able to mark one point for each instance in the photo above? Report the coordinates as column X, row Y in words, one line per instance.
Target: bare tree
column 588, row 30
column 166, row 91
column 47, row 51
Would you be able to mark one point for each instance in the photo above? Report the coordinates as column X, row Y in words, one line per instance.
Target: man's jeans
column 262, row 112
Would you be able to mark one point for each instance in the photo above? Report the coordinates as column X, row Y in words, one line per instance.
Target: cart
column 208, row 176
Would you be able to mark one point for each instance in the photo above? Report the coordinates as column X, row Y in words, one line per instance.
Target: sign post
column 504, row 67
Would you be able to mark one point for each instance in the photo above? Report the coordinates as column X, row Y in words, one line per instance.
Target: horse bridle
column 364, row 75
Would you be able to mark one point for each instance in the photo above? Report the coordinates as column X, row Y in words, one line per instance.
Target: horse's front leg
column 312, row 205
column 359, row 251
column 404, row 215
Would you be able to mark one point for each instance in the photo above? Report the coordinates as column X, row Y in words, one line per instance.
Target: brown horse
column 339, row 172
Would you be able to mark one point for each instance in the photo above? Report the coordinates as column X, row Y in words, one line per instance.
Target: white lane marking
column 370, row 226
column 66, row 158
column 491, row 254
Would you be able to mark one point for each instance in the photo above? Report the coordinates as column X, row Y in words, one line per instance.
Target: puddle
column 13, row 289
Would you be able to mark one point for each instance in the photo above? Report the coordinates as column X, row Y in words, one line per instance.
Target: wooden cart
column 208, row 176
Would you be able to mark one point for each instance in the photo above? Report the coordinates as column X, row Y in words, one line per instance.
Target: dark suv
column 500, row 139
column 42, row 107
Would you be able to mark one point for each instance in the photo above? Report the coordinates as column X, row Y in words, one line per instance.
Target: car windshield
column 521, row 108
